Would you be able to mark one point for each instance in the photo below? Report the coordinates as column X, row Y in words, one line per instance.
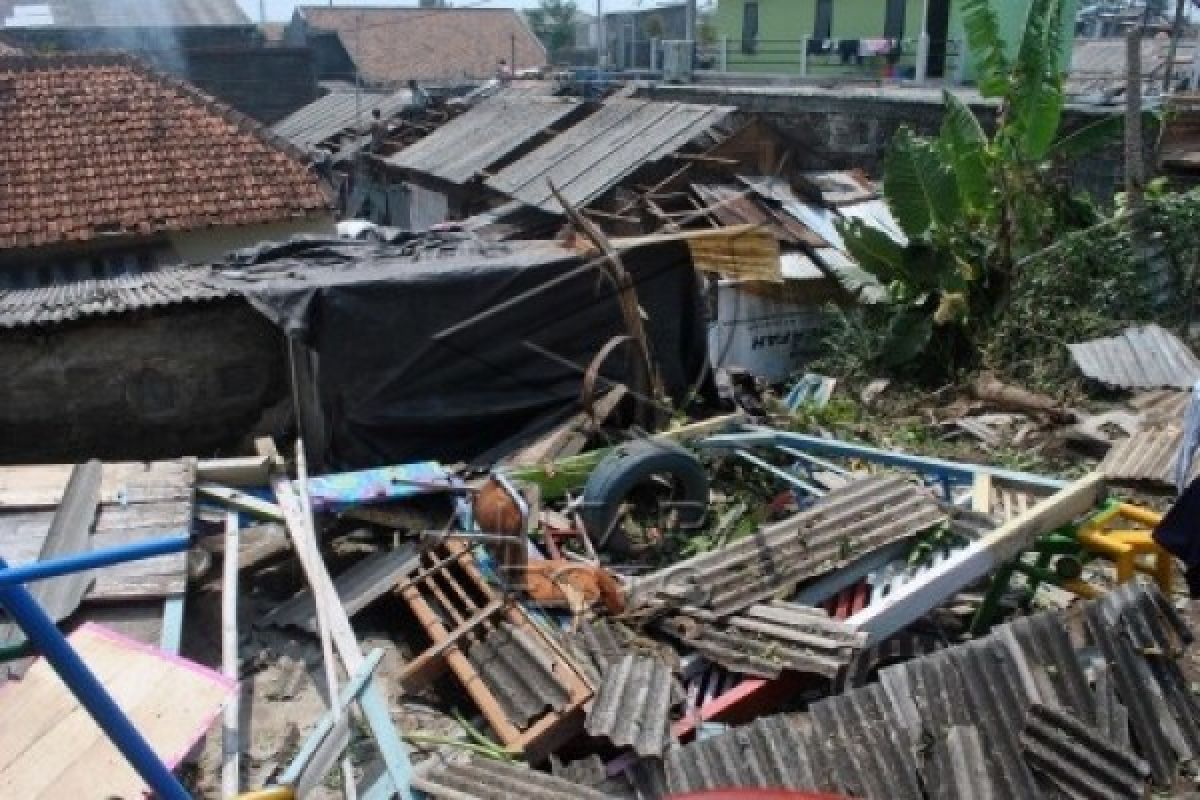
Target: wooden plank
column 243, row 471
column 42, row 485
column 59, row 749
column 372, row 702
column 357, row 587
column 241, row 501
column 937, row 584
column 230, row 745
column 70, row 532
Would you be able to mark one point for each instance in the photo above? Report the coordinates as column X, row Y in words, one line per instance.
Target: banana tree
column 972, row 205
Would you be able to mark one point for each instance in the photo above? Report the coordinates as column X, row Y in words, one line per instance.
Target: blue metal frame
column 47, row 640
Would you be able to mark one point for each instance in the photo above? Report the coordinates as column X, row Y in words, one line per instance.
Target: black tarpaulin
column 449, row 351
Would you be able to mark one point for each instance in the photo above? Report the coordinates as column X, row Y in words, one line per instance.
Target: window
column 823, row 27
column 750, row 27
column 893, row 23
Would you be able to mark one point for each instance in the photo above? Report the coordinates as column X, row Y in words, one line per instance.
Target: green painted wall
column 782, row 24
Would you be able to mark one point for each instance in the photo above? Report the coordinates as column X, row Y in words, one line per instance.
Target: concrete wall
column 183, row 380
column 787, row 21
column 852, row 127
column 212, row 244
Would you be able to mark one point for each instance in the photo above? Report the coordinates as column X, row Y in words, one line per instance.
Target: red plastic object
column 756, row 794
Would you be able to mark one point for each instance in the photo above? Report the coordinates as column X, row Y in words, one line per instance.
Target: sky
column 281, row 10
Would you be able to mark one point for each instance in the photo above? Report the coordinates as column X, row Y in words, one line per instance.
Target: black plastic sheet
column 455, row 349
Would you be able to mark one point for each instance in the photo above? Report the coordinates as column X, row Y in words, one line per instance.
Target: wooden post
column 230, row 739
column 1135, row 166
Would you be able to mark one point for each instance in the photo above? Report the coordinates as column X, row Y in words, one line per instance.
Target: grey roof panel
column 632, row 706
column 478, row 779
column 770, row 753
column 20, row 308
column 1150, row 357
column 765, row 640
column 1078, row 760
column 1145, row 457
column 465, row 147
column 337, row 113
column 519, row 673
column 849, row 522
column 592, row 156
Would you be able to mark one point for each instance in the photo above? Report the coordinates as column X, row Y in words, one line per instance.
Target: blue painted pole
column 78, row 562
column 45, row 637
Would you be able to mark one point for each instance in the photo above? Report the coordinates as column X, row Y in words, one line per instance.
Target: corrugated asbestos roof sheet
column 632, row 706
column 849, row 522
column 337, row 113
column 477, row 779
column 1078, row 760
column 20, row 308
column 1140, row 636
column 1140, row 358
column 465, row 147
column 1162, row 406
column 592, row 156
column 519, row 673
column 955, row 724
column 1145, row 457
column 765, row 640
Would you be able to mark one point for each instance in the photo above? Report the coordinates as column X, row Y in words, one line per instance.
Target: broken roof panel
column 1150, row 357
column 338, row 113
column 1145, row 457
column 591, row 157
column 847, row 523
column 632, row 705
column 765, row 640
column 479, row 779
column 770, row 753
column 464, row 148
column 520, row 674
column 1078, row 760
column 21, row 308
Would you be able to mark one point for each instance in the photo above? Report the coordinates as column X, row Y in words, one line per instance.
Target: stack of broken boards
column 49, row 511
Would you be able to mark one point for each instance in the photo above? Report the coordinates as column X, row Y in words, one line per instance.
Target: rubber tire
column 626, row 467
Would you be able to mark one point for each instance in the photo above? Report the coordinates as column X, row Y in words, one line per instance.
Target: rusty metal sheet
column 1149, row 357
column 765, row 640
column 632, row 706
column 847, row 524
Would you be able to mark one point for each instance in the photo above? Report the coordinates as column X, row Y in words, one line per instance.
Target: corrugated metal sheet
column 798, row 266
column 962, row 764
column 519, row 672
column 735, row 205
column 465, row 147
column 848, row 523
column 338, row 113
column 1162, row 407
column 595, row 154
column 1140, row 636
column 1140, row 358
column 477, row 779
column 20, row 308
column 765, row 640
column 633, row 704
column 1147, row 457
column 1080, row 762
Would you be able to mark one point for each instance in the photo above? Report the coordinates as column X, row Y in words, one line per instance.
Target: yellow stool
column 1126, row 546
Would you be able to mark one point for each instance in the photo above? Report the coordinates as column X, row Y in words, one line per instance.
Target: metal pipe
column 78, row 562
column 41, row 632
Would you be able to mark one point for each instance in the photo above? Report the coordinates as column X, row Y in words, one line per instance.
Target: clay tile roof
column 431, row 44
column 99, row 144
column 121, row 13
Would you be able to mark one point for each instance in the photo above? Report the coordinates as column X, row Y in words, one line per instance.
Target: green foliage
column 971, row 207
column 553, row 22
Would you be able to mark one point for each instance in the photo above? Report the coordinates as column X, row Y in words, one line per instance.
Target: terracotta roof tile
column 396, row 44
column 100, row 144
